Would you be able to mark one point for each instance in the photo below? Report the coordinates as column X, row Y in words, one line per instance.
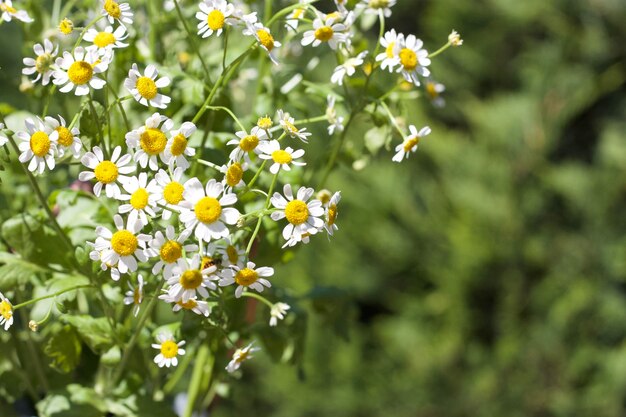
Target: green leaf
column 64, row 348
column 74, row 401
column 376, row 137
column 16, row 271
column 95, row 332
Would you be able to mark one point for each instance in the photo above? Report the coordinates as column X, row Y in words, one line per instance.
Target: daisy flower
column 303, row 217
column 169, row 350
column 123, row 247
column 293, row 19
column 287, row 123
column 79, row 70
column 240, row 356
column 96, row 256
column 190, row 280
column 247, row 143
column 67, row 139
column 206, row 212
column 278, row 312
column 247, row 277
column 134, row 295
column 38, row 145
column 231, row 254
column 145, row 88
column 264, row 37
column 107, row 38
column 150, row 141
column 141, row 197
column 42, row 63
column 391, row 42
column 233, row 174
column 9, row 12
column 107, row 172
column 265, row 123
column 3, row 139
column 330, row 213
column 375, row 6
column 434, row 90
column 170, row 190
column 115, row 11
column 347, row 68
column 199, row 307
column 213, row 16
column 6, row 312
column 170, row 250
column 177, row 149
column 410, row 143
column 335, row 122
column 325, row 31
column 282, row 158
column 413, row 60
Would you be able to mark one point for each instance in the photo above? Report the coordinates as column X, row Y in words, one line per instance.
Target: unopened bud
column 66, row 26
column 33, row 325
column 455, row 39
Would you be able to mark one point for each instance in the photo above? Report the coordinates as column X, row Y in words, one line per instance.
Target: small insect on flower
column 213, row 16
column 376, row 6
column 347, row 68
column 190, row 280
column 264, row 37
column 134, row 295
column 38, row 145
column 42, row 63
column 410, row 143
column 115, row 11
column 79, row 70
column 145, row 88
column 391, row 42
column 413, row 60
column 150, row 140
column 171, row 190
column 170, row 250
column 66, row 26
column 282, row 158
column 169, row 350
column 107, row 172
column 177, row 149
column 6, row 312
column 67, row 139
column 288, row 124
column 107, row 38
column 247, row 277
column 3, row 139
column 142, row 197
column 335, row 123
column 9, row 12
column 247, row 143
column 199, row 307
column 304, row 218
column 240, row 356
column 278, row 312
column 331, row 213
column 325, row 31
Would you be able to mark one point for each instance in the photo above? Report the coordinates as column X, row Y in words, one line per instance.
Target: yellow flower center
column 6, row 310
column 139, row 199
column 431, row 90
column 232, row 254
column 324, row 34
column 297, row 14
column 323, row 196
column 106, row 172
column 409, row 144
column 146, row 87
column 208, row 210
column 171, row 251
column 281, row 157
column 265, row 39
column 173, row 192
column 189, row 305
column 242, row 355
column 296, row 212
column 43, row 62
column 40, row 143
column 207, row 262
column 6, row 8
column 389, row 50
column 215, row 19
column 65, row 136
column 104, row 39
column 290, row 126
column 191, row 279
column 80, row 72
column 113, row 9
column 169, row 349
column 234, row 174
column 179, row 144
column 264, row 123
column 136, row 296
column 408, row 59
column 153, row 141
column 378, row 4
column 248, row 143
column 332, row 214
column 66, row 26
column 124, row 243
column 246, row 277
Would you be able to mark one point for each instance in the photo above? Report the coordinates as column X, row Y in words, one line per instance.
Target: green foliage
column 64, row 348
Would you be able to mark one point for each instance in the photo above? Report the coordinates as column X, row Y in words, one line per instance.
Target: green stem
column 34, row 300
column 227, row 110
column 85, row 29
column 96, row 120
column 256, row 176
column 199, row 369
column 258, row 223
column 50, row 94
column 118, row 101
column 209, row 164
column 180, row 371
column 192, row 41
column 225, row 48
column 392, row 118
column 440, row 50
column 258, row 297
column 335, row 152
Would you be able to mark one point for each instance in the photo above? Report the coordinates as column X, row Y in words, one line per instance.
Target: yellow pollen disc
column 232, row 254
column 65, row 136
column 139, row 199
column 265, row 39
column 234, row 174
column 249, row 143
column 136, row 296
column 80, row 72
column 409, row 144
column 6, row 310
column 66, row 26
column 112, row 9
column 173, row 192
column 189, row 305
column 297, row 14
column 281, row 157
column 6, row 8
column 179, row 144
column 152, row 141
column 215, row 20
column 264, row 123
column 324, row 34
column 430, row 89
column 40, row 143
column 169, row 349
column 332, row 214
column 242, row 355
column 124, row 243
column 246, row 277
column 146, row 87
column 296, row 212
column 389, row 50
column 171, row 251
column 191, row 279
column 42, row 63
column 408, row 59
column 208, row 210
column 106, row 172
column 104, row 39
column 206, row 262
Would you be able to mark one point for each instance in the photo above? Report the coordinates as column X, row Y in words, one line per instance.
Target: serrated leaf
column 16, row 271
column 64, row 348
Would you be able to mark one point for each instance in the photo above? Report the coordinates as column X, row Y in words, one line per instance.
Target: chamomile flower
column 123, row 247
column 170, row 190
column 96, row 256
column 294, row 17
column 38, row 145
column 434, row 90
column 142, row 197
column 134, row 295
column 3, row 139
column 107, row 172
column 265, row 123
column 264, row 37
column 213, row 16
column 233, row 174
column 168, row 350
column 413, row 60
column 199, row 307
column 6, row 312
column 80, row 70
column 347, row 68
column 231, row 254
column 247, row 143
column 66, row 26
column 113, row 11
column 325, row 31
column 190, row 280
column 67, row 139
column 145, row 88
column 335, row 123
column 240, row 356
column 278, row 312
column 391, row 42
column 303, row 217
column 282, row 158
column 170, row 250
column 330, row 214
column 205, row 211
column 287, row 123
column 42, row 63
column 9, row 12
column 150, row 140
column 248, row 277
column 107, row 38
column 177, row 150
column 410, row 143
column 376, row 6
